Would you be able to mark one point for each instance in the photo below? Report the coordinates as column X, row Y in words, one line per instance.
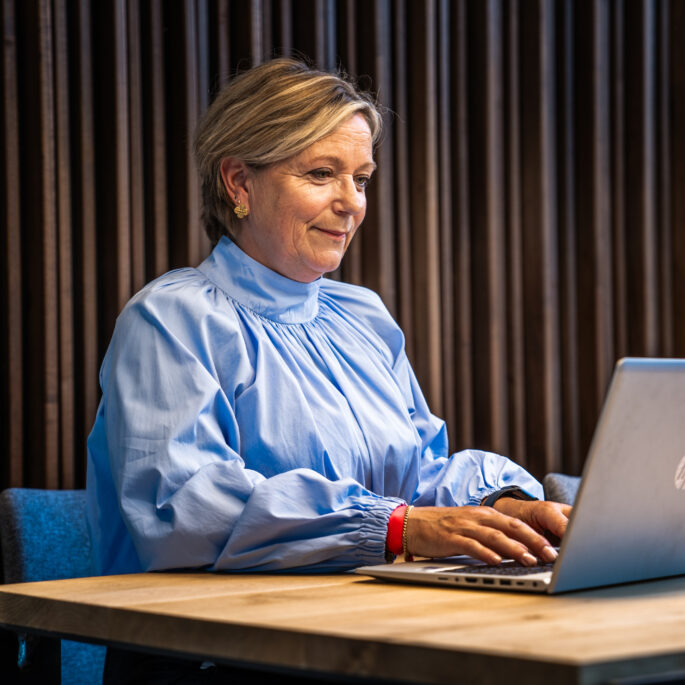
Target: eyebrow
column 332, row 159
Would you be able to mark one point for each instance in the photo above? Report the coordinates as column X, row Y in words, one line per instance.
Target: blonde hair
column 266, row 115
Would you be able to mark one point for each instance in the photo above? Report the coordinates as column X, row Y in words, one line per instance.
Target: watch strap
column 513, row 491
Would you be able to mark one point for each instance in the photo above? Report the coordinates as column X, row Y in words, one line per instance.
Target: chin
column 326, row 265
column 329, row 267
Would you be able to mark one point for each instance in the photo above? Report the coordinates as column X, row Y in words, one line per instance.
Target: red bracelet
column 393, row 541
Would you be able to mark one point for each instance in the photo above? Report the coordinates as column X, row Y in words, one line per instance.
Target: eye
column 362, row 180
column 321, row 174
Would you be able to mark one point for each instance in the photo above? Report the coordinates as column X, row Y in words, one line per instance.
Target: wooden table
column 355, row 626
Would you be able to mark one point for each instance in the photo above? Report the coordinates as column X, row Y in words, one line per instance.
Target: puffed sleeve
column 463, row 478
column 184, row 493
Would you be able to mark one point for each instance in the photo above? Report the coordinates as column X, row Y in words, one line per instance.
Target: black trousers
column 123, row 667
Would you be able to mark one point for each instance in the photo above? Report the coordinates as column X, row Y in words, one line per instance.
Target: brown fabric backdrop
column 526, row 225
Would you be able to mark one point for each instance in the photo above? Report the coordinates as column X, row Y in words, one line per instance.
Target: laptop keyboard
column 508, row 569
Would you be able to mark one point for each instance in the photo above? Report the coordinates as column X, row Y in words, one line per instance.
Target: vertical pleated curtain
column 526, row 225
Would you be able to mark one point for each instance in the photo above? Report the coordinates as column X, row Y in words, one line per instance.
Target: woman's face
column 304, row 211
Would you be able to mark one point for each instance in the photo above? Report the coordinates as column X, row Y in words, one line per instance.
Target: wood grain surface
column 355, row 626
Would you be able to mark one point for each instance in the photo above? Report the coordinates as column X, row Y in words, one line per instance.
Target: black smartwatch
column 513, row 491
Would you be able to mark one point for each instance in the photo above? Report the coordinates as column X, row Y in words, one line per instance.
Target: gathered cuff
column 373, row 531
column 476, row 498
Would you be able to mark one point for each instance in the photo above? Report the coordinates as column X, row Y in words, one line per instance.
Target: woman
column 258, row 416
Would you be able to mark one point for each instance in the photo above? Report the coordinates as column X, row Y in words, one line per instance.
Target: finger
column 473, row 548
column 552, row 518
column 515, row 538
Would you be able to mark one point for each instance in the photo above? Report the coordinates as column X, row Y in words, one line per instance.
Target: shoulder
column 180, row 290
column 172, row 284
column 182, row 304
column 367, row 308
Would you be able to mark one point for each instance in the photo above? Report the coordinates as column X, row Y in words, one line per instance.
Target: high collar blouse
column 249, row 421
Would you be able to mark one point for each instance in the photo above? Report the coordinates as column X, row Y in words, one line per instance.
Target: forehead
column 351, row 139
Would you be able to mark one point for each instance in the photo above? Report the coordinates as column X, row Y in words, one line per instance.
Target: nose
column 350, row 199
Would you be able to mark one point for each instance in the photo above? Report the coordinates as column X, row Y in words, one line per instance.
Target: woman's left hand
column 542, row 516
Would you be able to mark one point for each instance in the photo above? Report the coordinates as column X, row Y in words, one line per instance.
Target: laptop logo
column 680, row 475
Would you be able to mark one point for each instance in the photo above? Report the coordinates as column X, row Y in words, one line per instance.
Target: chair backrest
column 561, row 488
column 44, row 536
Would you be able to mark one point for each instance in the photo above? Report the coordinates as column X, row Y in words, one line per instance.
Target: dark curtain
column 526, row 225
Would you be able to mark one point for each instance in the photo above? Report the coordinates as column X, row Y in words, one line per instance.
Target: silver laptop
column 628, row 522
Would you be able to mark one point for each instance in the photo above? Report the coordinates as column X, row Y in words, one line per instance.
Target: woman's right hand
column 480, row 532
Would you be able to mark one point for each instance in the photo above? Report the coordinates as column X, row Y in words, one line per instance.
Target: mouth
column 331, row 233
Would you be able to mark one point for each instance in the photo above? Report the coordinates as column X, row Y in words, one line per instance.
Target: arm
column 447, row 520
column 465, row 477
column 185, row 495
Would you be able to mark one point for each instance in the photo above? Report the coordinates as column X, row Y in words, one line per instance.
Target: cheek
column 285, row 216
column 293, row 214
column 314, row 201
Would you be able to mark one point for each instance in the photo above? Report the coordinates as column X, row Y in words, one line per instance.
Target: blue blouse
column 249, row 421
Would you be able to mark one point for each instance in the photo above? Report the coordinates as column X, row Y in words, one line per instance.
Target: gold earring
column 240, row 210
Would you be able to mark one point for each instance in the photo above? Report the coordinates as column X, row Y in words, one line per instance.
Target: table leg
column 39, row 659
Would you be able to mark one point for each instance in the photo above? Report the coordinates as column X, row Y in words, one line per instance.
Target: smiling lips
column 336, row 235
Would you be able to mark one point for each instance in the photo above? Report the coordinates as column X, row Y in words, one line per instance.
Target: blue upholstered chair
column 44, row 536
column 561, row 488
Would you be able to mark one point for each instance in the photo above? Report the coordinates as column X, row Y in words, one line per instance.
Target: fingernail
column 549, row 553
column 529, row 559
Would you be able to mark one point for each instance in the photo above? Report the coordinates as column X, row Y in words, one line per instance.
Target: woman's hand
column 543, row 517
column 511, row 529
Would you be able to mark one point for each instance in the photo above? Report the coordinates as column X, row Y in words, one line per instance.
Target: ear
column 234, row 174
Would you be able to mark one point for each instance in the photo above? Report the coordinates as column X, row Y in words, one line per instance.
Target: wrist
column 510, row 492
column 510, row 506
column 393, row 540
column 405, row 544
